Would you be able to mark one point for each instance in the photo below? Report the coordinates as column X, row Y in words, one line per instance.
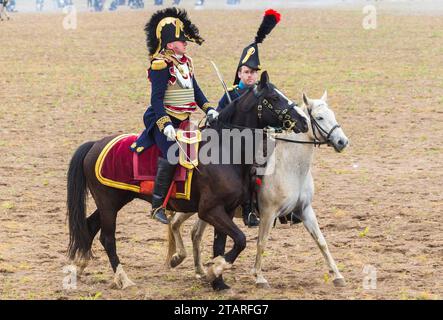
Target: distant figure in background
column 3, row 6
column 158, row 2
column 136, row 4
column 60, row 4
column 175, row 2
column 10, row 7
column 199, row 2
column 114, row 5
column 39, row 5
column 98, row 5
column 233, row 1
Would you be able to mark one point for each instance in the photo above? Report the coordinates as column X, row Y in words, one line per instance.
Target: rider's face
column 179, row 47
column 248, row 76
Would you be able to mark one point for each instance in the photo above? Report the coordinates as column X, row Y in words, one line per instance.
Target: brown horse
column 217, row 188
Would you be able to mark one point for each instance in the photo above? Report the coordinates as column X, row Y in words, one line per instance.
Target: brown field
column 379, row 203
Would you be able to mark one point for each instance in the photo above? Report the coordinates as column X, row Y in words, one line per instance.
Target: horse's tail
column 172, row 246
column 79, row 237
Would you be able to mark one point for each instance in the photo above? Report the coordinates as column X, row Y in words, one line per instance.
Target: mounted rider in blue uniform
column 246, row 76
column 175, row 93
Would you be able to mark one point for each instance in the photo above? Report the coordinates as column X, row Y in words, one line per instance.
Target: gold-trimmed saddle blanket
column 118, row 167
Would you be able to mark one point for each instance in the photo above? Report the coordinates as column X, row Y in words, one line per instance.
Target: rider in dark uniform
column 246, row 76
column 175, row 93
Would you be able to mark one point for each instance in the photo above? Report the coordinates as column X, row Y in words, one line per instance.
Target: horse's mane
column 228, row 112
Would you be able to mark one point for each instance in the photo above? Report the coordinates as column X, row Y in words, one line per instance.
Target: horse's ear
column 264, row 79
column 325, row 96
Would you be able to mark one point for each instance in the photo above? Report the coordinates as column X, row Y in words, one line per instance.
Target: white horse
column 289, row 189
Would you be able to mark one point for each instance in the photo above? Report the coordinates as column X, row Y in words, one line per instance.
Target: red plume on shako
column 249, row 55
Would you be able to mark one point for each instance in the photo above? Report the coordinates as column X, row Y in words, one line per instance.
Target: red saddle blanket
column 119, row 167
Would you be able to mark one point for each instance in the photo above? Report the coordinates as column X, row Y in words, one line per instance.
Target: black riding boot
column 290, row 217
column 294, row 218
column 165, row 174
column 249, row 216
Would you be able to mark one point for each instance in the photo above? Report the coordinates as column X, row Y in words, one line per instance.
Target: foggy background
column 434, row 7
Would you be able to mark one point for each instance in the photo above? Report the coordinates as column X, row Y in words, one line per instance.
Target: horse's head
column 276, row 110
column 323, row 123
column 264, row 105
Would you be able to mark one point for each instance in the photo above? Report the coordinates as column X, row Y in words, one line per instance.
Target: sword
column 220, row 77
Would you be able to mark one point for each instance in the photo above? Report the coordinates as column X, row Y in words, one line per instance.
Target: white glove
column 169, row 131
column 212, row 113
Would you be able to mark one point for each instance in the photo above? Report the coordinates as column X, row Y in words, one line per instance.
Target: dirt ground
column 379, row 203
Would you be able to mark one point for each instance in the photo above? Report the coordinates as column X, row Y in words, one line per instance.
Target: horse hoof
column 262, row 285
column 201, row 275
column 339, row 282
column 220, row 286
column 122, row 284
column 128, row 284
column 176, row 260
column 217, row 268
column 121, row 280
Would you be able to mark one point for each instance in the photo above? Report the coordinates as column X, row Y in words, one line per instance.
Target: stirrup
column 252, row 213
column 158, row 216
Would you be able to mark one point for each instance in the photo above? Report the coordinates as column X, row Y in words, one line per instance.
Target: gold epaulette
column 158, row 64
column 233, row 87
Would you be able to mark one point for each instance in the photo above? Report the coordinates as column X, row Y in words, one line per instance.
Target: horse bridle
column 282, row 115
column 288, row 123
column 321, row 130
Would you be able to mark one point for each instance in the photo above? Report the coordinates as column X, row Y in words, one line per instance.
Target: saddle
column 119, row 167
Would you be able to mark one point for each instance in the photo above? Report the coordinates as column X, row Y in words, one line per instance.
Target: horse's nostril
column 342, row 142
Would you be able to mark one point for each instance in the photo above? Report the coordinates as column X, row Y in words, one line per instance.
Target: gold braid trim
column 162, row 121
column 167, row 55
column 206, row 106
column 168, row 20
column 249, row 53
column 190, row 65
